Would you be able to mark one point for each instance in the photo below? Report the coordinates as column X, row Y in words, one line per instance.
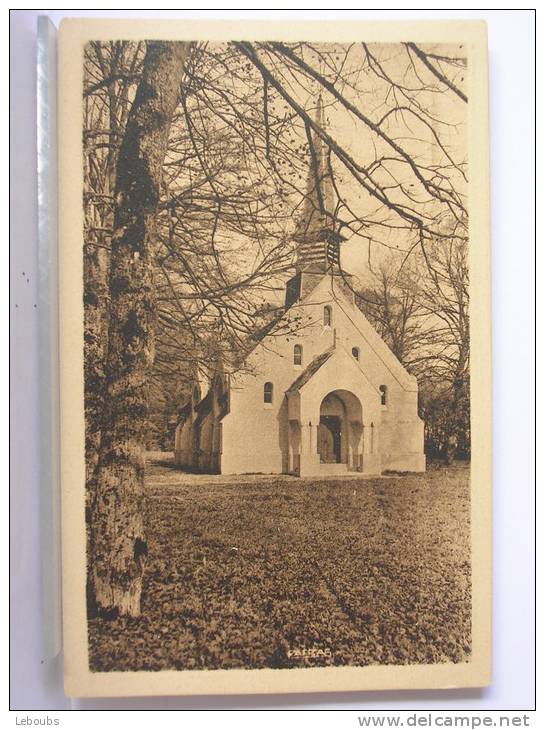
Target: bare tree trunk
column 95, row 334
column 117, row 530
column 96, row 295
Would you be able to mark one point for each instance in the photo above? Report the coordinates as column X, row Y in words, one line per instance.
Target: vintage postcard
column 275, row 356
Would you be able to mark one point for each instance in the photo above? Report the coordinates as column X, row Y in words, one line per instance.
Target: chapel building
column 329, row 397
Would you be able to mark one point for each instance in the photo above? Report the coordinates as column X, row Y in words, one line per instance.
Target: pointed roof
column 315, row 234
column 318, row 206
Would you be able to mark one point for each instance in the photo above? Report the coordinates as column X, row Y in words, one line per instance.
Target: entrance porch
column 335, row 441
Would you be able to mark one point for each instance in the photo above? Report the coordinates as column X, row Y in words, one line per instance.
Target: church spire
column 319, row 185
column 317, row 241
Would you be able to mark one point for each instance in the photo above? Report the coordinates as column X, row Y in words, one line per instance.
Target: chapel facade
column 329, row 397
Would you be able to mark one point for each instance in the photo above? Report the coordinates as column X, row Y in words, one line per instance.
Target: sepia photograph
column 276, row 360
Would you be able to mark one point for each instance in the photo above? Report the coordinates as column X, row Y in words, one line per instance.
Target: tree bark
column 118, row 545
column 95, row 335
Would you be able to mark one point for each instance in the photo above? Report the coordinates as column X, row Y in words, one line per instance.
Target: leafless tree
column 195, row 169
column 445, row 362
column 391, row 303
column 118, row 546
column 422, row 312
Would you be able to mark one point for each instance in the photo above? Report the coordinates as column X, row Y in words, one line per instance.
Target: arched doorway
column 331, row 430
column 340, row 428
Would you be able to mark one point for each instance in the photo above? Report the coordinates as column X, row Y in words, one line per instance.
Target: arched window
column 383, row 390
column 327, row 316
column 356, row 353
column 268, row 393
column 297, row 354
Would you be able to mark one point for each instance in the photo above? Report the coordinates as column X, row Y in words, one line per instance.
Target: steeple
column 317, row 240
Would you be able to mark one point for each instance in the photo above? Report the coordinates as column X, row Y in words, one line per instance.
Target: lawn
column 242, row 570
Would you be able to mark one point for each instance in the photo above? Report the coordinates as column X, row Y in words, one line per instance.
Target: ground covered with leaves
column 241, row 570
